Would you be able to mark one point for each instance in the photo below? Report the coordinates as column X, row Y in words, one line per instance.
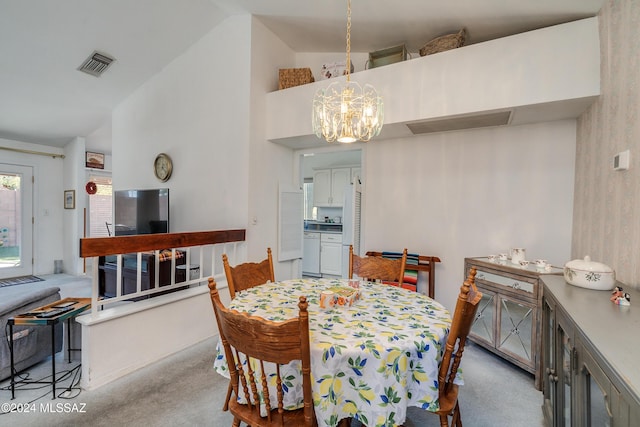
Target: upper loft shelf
column 548, row 74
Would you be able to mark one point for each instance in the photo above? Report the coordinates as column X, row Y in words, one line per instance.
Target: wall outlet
column 621, row 161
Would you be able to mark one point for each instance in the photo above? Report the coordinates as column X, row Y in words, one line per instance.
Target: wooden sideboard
column 508, row 318
column 590, row 361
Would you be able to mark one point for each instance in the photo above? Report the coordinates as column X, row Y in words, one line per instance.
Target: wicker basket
column 442, row 43
column 290, row 77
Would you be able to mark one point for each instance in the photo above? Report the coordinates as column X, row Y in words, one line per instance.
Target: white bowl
column 589, row 274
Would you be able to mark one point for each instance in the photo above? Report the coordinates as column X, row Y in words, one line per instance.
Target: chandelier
column 345, row 111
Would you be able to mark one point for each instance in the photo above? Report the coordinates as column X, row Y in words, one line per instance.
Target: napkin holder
column 345, row 296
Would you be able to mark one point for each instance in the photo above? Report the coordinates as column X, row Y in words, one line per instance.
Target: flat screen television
column 141, row 211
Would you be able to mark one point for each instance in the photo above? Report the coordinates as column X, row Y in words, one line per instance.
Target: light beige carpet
column 183, row 390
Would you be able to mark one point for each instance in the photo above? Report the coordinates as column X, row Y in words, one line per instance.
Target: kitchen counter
column 324, row 227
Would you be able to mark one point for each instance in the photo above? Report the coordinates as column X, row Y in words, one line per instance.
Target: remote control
column 65, row 304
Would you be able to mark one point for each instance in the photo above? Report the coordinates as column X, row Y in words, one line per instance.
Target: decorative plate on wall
column 91, row 187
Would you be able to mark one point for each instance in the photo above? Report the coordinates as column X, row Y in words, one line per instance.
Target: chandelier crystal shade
column 345, row 111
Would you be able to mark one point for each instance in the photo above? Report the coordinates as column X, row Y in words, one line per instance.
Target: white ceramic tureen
column 589, row 274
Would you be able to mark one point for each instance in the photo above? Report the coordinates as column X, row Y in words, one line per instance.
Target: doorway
column 16, row 225
column 311, row 162
column 101, row 207
column 325, row 178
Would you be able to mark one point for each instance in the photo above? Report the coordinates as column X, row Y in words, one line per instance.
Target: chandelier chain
column 348, row 65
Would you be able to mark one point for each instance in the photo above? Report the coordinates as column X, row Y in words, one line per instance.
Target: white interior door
column 16, row 225
column 290, row 223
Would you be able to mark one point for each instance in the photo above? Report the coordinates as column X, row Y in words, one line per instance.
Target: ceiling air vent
column 96, row 64
column 460, row 122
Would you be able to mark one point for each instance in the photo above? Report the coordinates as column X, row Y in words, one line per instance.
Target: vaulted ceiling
column 44, row 99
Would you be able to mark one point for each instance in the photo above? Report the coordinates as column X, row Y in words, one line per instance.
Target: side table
column 50, row 314
column 509, row 315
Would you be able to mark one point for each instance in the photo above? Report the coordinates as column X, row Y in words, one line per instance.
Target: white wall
column 100, row 141
column 197, row 111
column 607, row 203
column 127, row 343
column 48, row 200
column 74, row 222
column 472, row 193
column 270, row 165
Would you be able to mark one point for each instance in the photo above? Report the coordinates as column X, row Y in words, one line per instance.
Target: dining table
column 370, row 360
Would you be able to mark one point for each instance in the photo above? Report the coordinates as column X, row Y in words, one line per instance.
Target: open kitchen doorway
column 326, row 178
column 315, row 168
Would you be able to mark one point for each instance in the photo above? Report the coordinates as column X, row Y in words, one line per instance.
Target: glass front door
column 16, row 227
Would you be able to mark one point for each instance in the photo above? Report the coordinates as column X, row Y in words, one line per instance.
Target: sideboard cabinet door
column 581, row 387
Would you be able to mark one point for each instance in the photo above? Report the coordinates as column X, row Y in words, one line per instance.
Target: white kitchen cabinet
column 331, row 254
column 339, row 179
column 322, row 187
column 328, row 186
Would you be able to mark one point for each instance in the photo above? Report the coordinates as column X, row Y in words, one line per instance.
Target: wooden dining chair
column 244, row 276
column 377, row 268
column 251, row 341
column 249, row 274
column 463, row 317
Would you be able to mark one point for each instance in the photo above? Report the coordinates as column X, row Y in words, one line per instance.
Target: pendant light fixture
column 345, row 111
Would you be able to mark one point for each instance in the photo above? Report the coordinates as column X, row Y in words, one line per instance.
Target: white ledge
column 548, row 74
column 128, row 309
column 119, row 340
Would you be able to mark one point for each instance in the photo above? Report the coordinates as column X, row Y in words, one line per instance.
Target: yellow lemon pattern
column 370, row 361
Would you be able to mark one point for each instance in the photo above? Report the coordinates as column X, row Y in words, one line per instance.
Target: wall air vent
column 96, row 64
column 460, row 122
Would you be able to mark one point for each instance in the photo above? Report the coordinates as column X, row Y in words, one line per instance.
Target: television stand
column 108, row 271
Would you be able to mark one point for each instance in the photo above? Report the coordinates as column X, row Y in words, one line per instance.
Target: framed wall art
column 69, row 199
column 94, row 160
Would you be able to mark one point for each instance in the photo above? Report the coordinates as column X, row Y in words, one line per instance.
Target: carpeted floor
column 184, row 390
column 19, row 280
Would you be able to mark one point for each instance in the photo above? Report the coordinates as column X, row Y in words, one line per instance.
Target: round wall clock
column 162, row 167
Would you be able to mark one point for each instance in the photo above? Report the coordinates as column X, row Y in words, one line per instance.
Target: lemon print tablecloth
column 369, row 361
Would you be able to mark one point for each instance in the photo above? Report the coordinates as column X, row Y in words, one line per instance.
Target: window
column 310, row 211
column 101, row 207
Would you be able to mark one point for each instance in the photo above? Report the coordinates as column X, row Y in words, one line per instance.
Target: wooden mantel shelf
column 102, row 246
